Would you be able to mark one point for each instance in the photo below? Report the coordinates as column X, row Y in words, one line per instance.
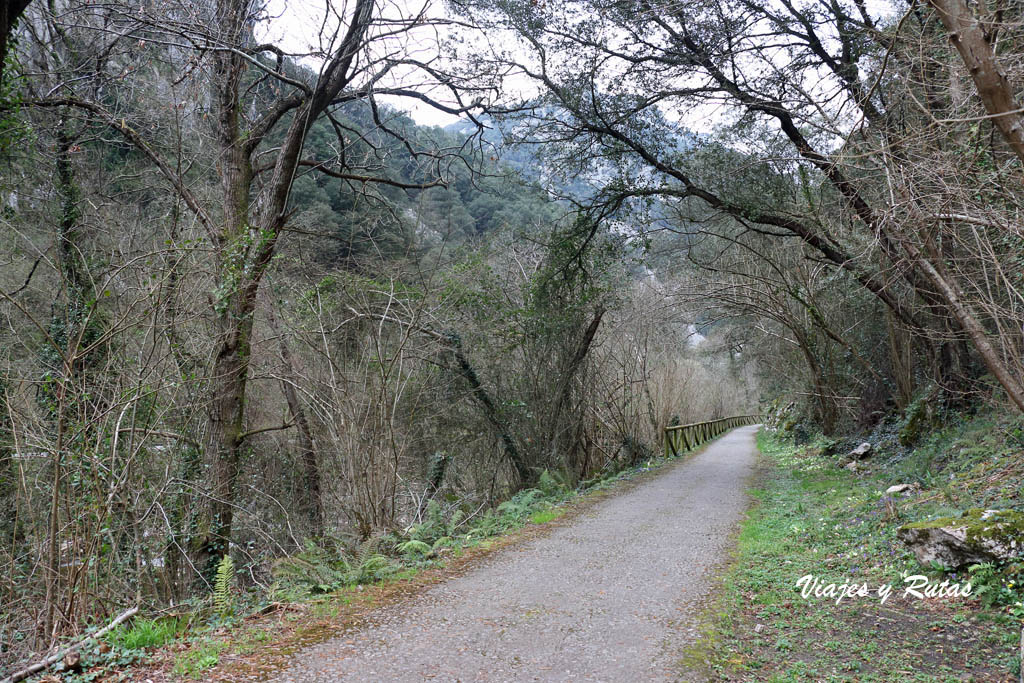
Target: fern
column 368, row 565
column 433, row 525
column 367, row 549
column 455, row 521
column 376, row 568
column 222, row 600
column 553, row 483
column 519, row 505
column 314, row 569
column 413, row 547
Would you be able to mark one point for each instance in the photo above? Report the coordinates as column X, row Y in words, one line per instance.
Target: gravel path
column 608, row 597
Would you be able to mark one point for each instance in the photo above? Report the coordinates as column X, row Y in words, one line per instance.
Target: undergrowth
column 325, row 574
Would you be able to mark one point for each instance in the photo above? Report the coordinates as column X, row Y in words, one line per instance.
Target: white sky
column 295, row 25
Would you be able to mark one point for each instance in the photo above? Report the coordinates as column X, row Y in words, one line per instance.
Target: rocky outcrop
column 780, row 417
column 975, row 537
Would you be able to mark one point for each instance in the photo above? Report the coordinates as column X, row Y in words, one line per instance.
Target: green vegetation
column 251, row 308
column 223, row 601
column 812, row 517
column 142, row 633
column 422, row 545
column 201, row 656
column 545, row 516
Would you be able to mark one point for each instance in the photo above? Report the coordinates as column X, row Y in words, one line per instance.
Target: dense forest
column 252, row 309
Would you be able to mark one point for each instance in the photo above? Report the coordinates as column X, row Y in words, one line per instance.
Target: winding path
column 609, row 597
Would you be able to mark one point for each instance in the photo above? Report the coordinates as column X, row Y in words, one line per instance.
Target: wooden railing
column 681, row 438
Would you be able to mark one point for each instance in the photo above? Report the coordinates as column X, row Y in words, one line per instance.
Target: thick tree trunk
column 234, row 300
column 10, row 10
column 226, row 423
column 993, row 87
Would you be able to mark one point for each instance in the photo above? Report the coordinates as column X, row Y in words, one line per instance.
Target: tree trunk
column 825, row 403
column 10, row 533
column 993, row 87
column 247, row 238
column 490, row 409
column 901, row 361
column 226, row 421
column 968, row 320
column 234, row 299
column 10, row 11
column 565, row 390
column 311, row 497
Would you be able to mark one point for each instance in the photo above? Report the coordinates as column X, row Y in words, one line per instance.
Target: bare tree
column 260, row 112
column 610, row 75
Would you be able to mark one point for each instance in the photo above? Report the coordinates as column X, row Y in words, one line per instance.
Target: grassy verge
column 811, row 517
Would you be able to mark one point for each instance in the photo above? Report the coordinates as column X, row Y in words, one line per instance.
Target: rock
column 73, row 662
column 861, row 452
column 899, row 488
column 975, row 537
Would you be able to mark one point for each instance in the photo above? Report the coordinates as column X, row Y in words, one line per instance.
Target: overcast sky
column 296, row 25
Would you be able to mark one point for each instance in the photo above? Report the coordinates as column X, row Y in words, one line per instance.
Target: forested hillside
column 248, row 307
column 261, row 328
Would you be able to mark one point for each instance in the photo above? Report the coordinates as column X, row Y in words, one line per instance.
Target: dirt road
column 609, row 597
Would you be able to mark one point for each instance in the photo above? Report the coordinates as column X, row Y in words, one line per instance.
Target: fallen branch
column 54, row 658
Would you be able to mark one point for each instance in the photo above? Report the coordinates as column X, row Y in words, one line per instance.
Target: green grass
column 811, row 517
column 545, row 516
column 203, row 655
column 250, row 640
column 144, row 633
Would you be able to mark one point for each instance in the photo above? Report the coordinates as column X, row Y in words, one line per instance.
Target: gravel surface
column 609, row 597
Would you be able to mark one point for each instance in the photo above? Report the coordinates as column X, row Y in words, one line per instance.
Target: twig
column 53, row 659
